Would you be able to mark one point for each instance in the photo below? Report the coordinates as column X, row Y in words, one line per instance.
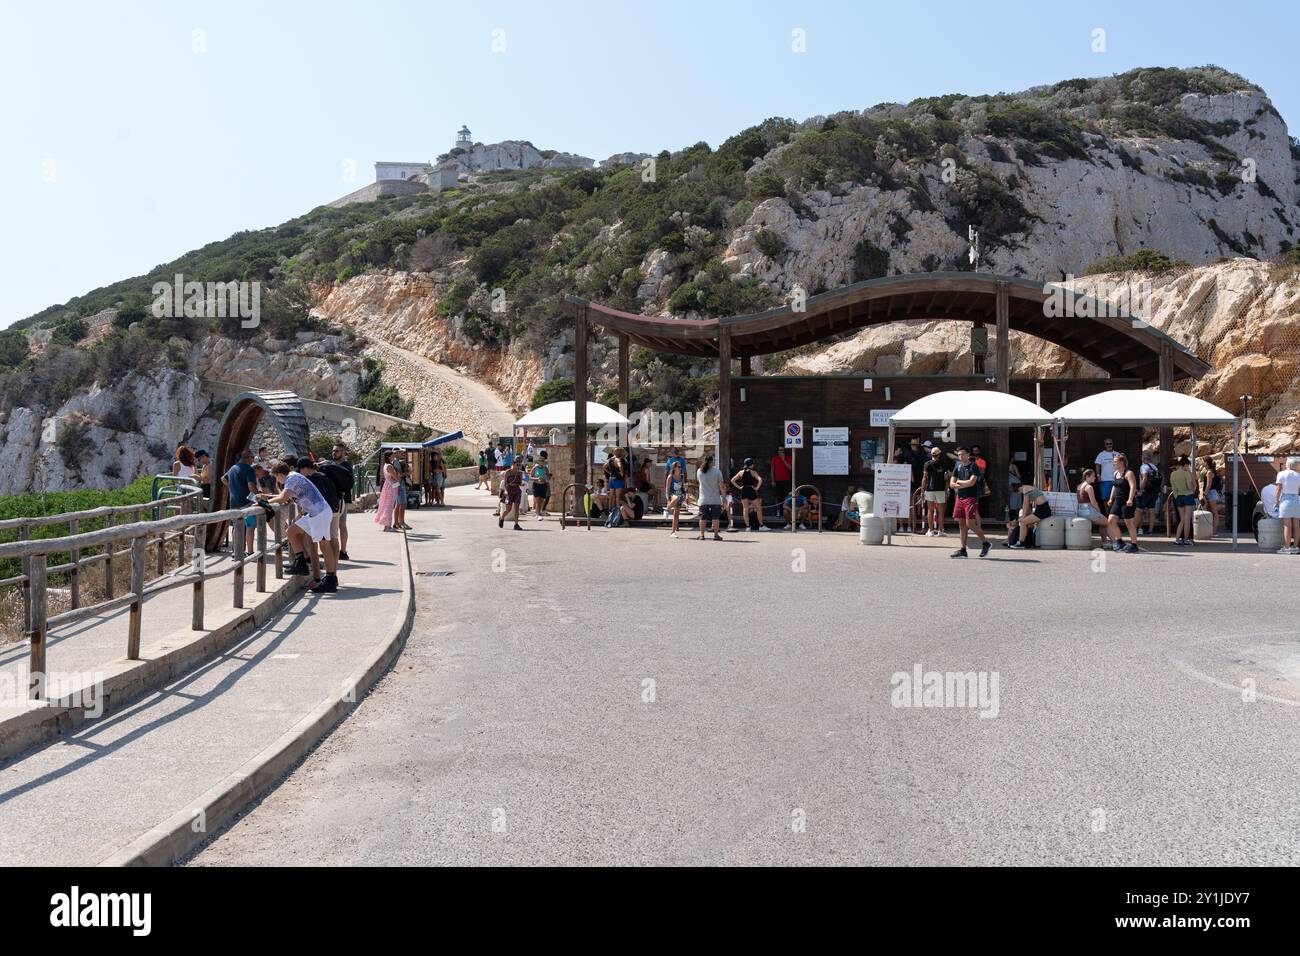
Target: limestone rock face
column 323, row 368
column 1239, row 315
column 512, row 154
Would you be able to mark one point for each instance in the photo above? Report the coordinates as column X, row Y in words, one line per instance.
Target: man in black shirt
column 966, row 480
column 339, row 471
column 916, row 459
column 935, row 477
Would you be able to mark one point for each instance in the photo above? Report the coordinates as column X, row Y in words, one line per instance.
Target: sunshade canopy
column 443, row 439
column 974, row 409
column 561, row 415
column 1146, row 407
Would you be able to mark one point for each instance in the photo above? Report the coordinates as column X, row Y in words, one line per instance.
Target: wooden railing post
column 36, row 628
column 74, row 576
column 138, row 547
column 108, row 561
column 24, row 534
column 279, row 543
column 162, row 557
column 260, row 542
column 237, row 546
column 200, row 572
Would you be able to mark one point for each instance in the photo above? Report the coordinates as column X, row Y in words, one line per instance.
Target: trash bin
column 1203, row 525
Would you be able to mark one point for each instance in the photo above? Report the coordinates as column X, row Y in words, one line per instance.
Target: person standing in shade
column 935, row 477
column 713, row 489
column 1123, row 504
column 339, row 472
column 1182, row 485
column 966, row 480
column 241, row 487
column 1105, row 468
column 1212, row 488
column 674, row 492
column 782, row 474
column 541, row 486
column 916, row 459
column 1148, row 498
column 750, row 483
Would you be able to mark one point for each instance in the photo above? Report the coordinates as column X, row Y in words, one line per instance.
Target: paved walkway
column 78, row 800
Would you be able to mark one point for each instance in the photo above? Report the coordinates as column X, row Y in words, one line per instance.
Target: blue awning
column 444, row 439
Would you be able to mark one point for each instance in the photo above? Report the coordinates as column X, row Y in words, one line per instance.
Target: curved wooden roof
column 1119, row 345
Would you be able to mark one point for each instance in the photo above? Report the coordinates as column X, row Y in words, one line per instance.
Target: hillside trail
column 444, row 398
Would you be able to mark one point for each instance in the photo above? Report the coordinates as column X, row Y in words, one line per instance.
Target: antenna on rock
column 973, row 254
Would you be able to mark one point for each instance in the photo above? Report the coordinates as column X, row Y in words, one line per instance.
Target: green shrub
column 1144, row 260
column 454, row 456
column 869, row 261
column 556, row 390
column 71, row 444
column 13, row 347
column 770, row 243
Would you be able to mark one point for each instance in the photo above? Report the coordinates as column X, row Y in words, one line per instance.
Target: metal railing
column 140, row 537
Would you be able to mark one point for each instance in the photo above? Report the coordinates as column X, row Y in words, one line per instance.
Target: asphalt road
column 620, row 697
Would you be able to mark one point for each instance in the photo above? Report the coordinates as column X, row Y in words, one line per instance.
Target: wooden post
column 138, row 547
column 196, row 615
column 109, row 584
column 74, row 576
column 580, row 396
column 24, row 534
column 36, row 628
column 1167, row 384
column 1003, row 358
column 724, row 399
column 623, row 374
column 260, row 542
column 237, row 549
column 279, row 544
column 162, row 557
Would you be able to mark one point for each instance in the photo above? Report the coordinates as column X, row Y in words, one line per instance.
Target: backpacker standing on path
column 967, row 480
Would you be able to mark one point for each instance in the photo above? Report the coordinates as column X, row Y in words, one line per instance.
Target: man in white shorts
column 313, row 528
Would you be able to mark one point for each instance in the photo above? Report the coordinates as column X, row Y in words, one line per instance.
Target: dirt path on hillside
column 444, row 398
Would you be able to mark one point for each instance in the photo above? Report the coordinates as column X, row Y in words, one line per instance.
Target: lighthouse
column 463, row 138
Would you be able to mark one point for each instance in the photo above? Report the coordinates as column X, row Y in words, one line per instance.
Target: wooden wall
column 840, row 401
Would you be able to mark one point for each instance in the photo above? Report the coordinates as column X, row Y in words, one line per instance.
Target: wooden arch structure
column 1119, row 344
column 238, row 429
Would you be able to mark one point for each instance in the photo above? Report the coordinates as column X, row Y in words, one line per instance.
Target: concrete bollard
column 1051, row 533
column 872, row 530
column 1203, row 523
column 1270, row 534
column 1078, row 534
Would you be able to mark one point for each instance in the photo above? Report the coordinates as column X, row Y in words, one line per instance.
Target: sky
column 136, row 131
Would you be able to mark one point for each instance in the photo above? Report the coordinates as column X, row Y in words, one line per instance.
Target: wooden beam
column 724, row 400
column 1166, row 382
column 1002, row 367
column 580, row 398
column 622, row 386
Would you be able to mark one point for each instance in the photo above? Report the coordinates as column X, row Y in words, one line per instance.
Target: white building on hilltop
column 385, row 171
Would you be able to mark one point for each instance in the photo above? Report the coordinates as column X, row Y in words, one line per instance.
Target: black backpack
column 1154, row 479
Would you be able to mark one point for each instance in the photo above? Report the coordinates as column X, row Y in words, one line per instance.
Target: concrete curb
column 126, row 681
column 187, row 829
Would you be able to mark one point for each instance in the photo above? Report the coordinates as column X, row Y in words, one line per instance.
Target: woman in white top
column 1288, row 506
column 183, row 466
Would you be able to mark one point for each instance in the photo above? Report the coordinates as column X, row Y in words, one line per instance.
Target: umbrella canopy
column 561, row 415
column 977, row 409
column 1150, row 408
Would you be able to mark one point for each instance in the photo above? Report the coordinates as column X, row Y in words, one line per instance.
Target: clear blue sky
column 155, row 149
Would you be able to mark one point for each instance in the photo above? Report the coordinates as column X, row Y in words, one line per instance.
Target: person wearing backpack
column 1148, row 499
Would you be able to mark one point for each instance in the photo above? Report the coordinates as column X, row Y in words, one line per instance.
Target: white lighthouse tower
column 463, row 138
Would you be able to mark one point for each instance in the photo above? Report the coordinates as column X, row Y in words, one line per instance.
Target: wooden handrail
column 35, row 554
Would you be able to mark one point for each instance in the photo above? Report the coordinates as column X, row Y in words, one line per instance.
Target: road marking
column 284, row 657
column 1191, row 671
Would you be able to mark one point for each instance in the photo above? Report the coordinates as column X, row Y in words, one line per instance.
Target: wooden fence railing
column 186, row 530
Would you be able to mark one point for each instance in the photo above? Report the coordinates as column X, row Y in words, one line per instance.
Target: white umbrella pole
column 1236, row 464
column 889, row 457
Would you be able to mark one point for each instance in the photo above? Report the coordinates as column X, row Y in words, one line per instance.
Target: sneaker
column 959, row 553
column 803, row 527
column 517, row 528
column 942, row 534
column 984, row 550
column 1131, row 549
column 1283, row 550
column 1016, row 547
column 539, row 517
column 1119, row 546
column 501, row 521
column 328, row 584
column 300, row 565
column 716, row 536
column 673, row 535
column 314, row 584
column 1142, row 532
column 764, row 527
column 1295, row 550
column 343, row 556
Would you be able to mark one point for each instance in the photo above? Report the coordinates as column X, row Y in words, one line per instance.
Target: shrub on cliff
column 1144, row 260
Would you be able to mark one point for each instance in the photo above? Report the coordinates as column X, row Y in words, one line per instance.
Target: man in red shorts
column 966, row 480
